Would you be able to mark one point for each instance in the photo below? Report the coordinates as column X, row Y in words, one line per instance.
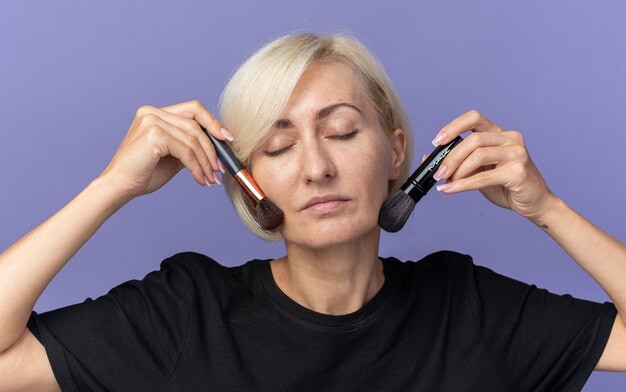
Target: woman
column 321, row 129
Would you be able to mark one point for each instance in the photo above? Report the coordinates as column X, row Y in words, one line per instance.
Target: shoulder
column 448, row 258
column 437, row 271
column 442, row 261
column 204, row 272
column 191, row 262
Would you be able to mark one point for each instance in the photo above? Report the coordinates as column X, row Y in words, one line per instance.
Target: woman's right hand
column 160, row 142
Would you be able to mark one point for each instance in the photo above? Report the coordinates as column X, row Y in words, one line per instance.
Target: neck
column 335, row 280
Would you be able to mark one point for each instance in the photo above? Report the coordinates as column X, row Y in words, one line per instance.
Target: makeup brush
column 268, row 214
column 397, row 208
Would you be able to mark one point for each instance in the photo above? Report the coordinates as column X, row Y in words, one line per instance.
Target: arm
column 601, row 256
column 159, row 143
column 29, row 265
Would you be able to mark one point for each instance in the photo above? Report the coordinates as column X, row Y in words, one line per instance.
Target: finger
column 471, row 120
column 485, row 157
column 195, row 110
column 170, row 145
column 497, row 177
column 188, row 139
column 424, row 157
column 474, row 141
column 193, row 128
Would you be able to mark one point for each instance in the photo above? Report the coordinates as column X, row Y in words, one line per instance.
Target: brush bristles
column 395, row 211
column 268, row 214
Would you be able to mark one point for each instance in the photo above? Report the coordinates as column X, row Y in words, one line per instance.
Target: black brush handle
column 422, row 179
column 226, row 155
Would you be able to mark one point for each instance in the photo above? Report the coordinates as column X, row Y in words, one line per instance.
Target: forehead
column 323, row 83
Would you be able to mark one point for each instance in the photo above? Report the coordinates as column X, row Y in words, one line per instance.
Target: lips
column 324, row 203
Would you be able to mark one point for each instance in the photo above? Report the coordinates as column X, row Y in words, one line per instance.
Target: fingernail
column 227, row 135
column 217, row 178
column 440, row 138
column 443, row 187
column 206, row 181
column 440, row 173
column 219, row 163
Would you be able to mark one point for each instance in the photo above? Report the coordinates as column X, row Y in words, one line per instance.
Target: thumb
column 424, row 157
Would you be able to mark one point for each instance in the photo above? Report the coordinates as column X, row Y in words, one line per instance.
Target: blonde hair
column 259, row 90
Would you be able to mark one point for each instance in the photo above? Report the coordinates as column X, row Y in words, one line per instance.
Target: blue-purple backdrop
column 72, row 75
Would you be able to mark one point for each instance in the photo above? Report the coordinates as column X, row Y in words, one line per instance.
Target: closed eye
column 333, row 137
column 344, row 136
column 277, row 152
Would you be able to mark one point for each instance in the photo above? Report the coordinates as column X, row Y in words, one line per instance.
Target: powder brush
column 268, row 214
column 396, row 209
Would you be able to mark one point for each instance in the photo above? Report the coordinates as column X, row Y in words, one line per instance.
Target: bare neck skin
column 335, row 280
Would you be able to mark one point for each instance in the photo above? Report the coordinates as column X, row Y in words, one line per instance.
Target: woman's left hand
column 494, row 161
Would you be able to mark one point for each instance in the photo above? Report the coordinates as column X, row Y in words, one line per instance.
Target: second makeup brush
column 397, row 208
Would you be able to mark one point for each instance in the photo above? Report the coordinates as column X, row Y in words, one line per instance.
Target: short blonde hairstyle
column 259, row 90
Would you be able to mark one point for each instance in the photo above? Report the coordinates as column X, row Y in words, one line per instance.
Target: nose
column 317, row 163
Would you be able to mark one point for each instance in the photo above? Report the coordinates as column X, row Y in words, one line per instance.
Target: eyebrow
column 321, row 114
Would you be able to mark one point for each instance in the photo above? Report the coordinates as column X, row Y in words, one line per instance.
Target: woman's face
column 327, row 161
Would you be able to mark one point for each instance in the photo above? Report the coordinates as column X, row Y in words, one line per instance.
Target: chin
column 329, row 232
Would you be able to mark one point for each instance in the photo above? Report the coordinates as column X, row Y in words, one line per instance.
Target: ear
column 397, row 140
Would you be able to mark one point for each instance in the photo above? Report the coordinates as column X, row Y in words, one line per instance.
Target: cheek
column 370, row 169
column 275, row 180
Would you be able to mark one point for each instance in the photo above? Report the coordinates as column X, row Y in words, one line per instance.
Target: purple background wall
column 72, row 75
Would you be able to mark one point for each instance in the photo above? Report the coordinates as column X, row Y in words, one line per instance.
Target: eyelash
column 336, row 137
